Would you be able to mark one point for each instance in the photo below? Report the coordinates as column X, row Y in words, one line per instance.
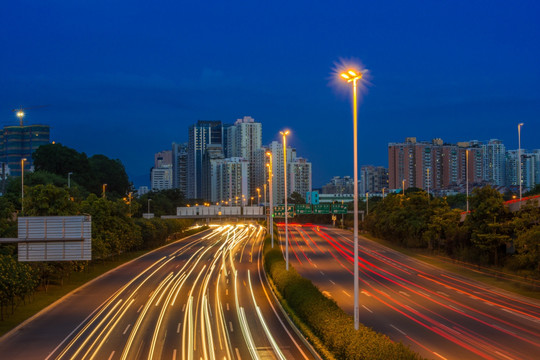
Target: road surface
column 203, row 297
column 437, row 313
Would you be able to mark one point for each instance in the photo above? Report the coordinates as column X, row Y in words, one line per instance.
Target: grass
column 484, row 275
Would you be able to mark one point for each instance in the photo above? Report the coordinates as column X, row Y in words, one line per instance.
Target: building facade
column 200, row 135
column 20, row 142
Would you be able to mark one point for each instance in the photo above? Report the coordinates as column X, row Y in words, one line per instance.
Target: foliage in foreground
column 327, row 320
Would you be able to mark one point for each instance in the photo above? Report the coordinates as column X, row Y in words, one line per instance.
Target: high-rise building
column 19, row 142
column 244, row 139
column 231, row 180
column 213, row 152
column 300, row 181
column 494, row 156
column 200, row 135
column 179, row 162
column 161, row 178
column 300, row 176
column 339, row 185
column 372, row 179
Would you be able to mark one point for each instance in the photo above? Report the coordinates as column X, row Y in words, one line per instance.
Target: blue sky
column 126, row 78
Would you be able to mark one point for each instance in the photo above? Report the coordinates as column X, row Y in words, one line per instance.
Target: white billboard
column 55, row 238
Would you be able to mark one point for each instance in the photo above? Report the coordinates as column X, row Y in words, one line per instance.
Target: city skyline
column 126, row 86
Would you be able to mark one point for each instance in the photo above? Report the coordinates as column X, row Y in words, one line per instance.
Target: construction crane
column 19, row 112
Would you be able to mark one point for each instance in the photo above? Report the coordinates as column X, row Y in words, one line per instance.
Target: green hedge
column 326, row 319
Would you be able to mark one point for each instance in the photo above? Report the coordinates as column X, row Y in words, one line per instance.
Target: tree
column 163, row 202
column 296, row 198
column 61, row 160
column 528, row 248
column 48, row 200
column 487, row 221
column 110, row 172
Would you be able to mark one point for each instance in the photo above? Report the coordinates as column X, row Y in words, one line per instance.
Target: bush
column 326, row 319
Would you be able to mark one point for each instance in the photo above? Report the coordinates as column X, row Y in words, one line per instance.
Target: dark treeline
column 116, row 223
column 489, row 235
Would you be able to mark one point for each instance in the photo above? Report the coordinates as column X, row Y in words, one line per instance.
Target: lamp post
column 270, row 175
column 69, row 179
column 403, row 188
column 467, row 176
column 519, row 161
column 252, row 201
column 354, row 76
column 258, row 196
column 284, row 134
column 22, row 183
column 367, row 203
column 428, row 182
column 149, row 205
column 103, row 193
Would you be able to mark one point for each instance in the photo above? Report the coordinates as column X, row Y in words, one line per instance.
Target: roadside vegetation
column 488, row 236
column 119, row 233
column 324, row 319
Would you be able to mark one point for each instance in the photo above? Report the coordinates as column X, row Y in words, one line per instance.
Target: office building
column 20, row 142
column 200, row 135
column 179, row 162
column 373, row 179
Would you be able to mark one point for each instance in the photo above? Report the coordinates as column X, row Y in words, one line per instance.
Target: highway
column 437, row 313
column 204, row 297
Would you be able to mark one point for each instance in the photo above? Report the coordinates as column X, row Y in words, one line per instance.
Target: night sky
column 126, row 78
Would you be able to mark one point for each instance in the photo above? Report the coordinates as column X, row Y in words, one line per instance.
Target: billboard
column 55, row 238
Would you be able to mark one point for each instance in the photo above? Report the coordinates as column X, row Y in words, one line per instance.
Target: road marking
column 140, row 309
column 365, row 307
column 125, row 331
column 112, row 354
column 178, row 328
column 442, row 357
column 230, row 326
column 332, row 282
column 443, row 294
column 321, row 272
column 404, row 293
column 226, row 291
column 227, row 306
column 327, row 294
column 184, row 307
column 504, row 356
column 237, row 353
column 174, row 354
column 366, row 293
column 346, row 293
column 399, row 330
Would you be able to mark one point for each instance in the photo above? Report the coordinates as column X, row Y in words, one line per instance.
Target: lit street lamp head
column 285, row 132
column 351, row 75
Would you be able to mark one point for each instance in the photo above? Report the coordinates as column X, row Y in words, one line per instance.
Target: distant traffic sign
column 303, row 209
column 279, row 211
column 321, row 209
column 339, row 209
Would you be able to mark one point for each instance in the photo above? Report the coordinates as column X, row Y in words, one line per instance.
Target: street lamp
column 354, row 76
column 22, row 180
column 519, row 161
column 367, row 203
column 284, row 134
column 252, row 201
column 69, row 179
column 258, row 196
column 428, row 182
column 149, row 205
column 403, row 188
column 103, row 193
column 269, row 154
